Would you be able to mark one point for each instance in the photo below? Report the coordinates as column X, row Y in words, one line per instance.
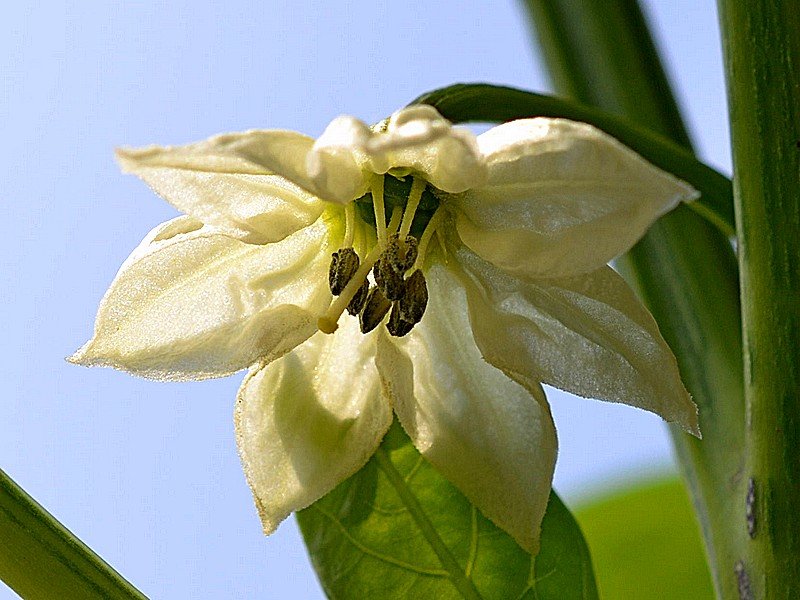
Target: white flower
column 506, row 237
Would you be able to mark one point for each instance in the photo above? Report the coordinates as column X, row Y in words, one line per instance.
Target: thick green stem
column 41, row 559
column 601, row 53
column 761, row 40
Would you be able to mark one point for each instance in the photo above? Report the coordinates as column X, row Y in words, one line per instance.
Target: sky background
column 147, row 473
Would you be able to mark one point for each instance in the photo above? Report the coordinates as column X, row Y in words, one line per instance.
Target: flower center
column 397, row 286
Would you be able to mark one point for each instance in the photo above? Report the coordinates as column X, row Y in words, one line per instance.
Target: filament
column 415, row 195
column 349, row 224
column 432, row 226
column 380, row 209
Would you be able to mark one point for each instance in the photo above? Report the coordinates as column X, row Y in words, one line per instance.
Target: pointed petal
column 420, row 139
column 192, row 304
column 252, row 185
column 588, row 335
column 309, row 420
column 563, row 198
column 493, row 438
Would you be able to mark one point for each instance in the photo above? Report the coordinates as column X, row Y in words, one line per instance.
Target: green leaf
column 480, row 102
column 646, row 544
column 40, row 558
column 398, row 529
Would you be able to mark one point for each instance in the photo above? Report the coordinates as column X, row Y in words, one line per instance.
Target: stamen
column 401, row 256
column 396, row 325
column 358, row 301
column 415, row 300
column 344, row 264
column 397, row 213
column 349, row 224
column 433, row 224
column 414, row 196
column 374, row 310
column 408, row 310
column 380, row 209
column 393, row 264
column 388, row 279
column 329, row 322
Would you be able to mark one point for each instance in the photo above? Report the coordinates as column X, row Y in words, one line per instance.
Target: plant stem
column 601, row 53
column 761, row 41
column 40, row 558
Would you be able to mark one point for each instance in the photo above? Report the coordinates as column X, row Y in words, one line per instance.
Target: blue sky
column 147, row 473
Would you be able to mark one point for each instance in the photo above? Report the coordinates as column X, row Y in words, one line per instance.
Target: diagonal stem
column 40, row 558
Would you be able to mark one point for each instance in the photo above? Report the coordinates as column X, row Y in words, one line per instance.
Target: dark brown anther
column 344, row 265
column 360, row 298
column 374, row 310
column 401, row 255
column 413, row 303
column 389, row 281
column 398, row 326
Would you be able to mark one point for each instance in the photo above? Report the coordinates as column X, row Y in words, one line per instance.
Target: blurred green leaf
column 397, row 529
column 481, row 102
column 646, row 544
column 40, row 558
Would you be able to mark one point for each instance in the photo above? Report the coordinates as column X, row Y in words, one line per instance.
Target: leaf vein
column 374, row 553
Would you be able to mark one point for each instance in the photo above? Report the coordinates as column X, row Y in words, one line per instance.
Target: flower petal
column 420, row 139
column 309, row 420
column 588, row 335
column 192, row 304
column 252, row 185
column 333, row 165
column 493, row 438
column 563, row 198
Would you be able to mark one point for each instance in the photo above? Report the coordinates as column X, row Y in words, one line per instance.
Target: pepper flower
column 473, row 269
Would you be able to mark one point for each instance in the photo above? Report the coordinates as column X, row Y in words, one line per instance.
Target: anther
column 408, row 310
column 401, row 255
column 398, row 326
column 344, row 265
column 388, row 280
column 328, row 322
column 374, row 310
column 358, row 301
column 413, row 303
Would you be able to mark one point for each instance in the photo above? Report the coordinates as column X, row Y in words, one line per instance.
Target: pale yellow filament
column 380, row 209
column 414, row 196
column 422, row 247
column 349, row 224
column 397, row 213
